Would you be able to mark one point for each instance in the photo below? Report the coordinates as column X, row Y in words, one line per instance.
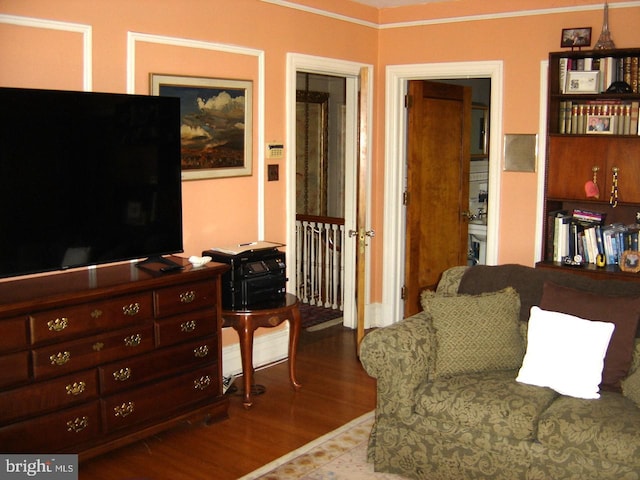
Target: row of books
column 571, row 234
column 612, row 69
column 599, row 116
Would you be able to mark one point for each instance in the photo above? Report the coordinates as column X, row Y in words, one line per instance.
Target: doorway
column 350, row 72
column 397, row 77
column 320, row 192
column 480, row 165
column 437, row 184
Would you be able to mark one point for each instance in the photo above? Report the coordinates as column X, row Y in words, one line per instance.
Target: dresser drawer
column 48, row 396
column 185, row 298
column 133, row 372
column 160, row 400
column 181, row 328
column 57, row 432
column 13, row 334
column 80, row 320
column 88, row 352
column 14, row 368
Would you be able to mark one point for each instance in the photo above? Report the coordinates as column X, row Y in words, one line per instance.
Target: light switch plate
column 273, row 173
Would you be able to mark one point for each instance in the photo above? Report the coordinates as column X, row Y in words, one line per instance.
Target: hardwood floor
column 335, row 389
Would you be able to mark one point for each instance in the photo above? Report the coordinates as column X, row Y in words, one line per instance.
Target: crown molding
column 439, row 21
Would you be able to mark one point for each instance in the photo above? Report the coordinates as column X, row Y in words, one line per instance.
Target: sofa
column 510, row 372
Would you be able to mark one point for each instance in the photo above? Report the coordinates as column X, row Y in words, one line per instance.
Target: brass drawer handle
column 201, row 352
column 131, row 310
column 133, row 340
column 76, row 388
column 58, row 324
column 60, row 358
column 187, row 297
column 188, row 327
column 122, row 375
column 124, row 410
column 202, row 383
column 95, row 314
column 78, row 424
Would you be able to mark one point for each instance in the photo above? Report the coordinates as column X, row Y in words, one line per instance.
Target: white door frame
column 397, row 77
column 351, row 72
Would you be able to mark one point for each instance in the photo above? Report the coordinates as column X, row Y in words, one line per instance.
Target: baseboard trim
column 267, row 349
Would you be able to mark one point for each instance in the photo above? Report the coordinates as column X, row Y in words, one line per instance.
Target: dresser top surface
column 48, row 290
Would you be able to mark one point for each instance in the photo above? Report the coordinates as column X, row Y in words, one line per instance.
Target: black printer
column 257, row 274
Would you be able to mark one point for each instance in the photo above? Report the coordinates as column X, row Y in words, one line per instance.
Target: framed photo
column 603, row 124
column 215, row 124
column 630, row 261
column 582, row 81
column 576, row 37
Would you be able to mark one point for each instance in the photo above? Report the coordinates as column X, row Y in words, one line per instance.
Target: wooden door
column 362, row 233
column 437, row 200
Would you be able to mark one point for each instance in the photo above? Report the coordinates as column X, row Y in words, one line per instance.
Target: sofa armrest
column 400, row 357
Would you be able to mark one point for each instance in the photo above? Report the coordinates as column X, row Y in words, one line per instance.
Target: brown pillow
column 623, row 312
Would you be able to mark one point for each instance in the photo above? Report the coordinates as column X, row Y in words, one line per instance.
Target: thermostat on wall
column 275, row 150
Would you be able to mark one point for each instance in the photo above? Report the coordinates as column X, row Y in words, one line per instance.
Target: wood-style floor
column 335, row 389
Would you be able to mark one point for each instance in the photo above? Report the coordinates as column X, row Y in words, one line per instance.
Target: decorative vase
column 605, row 42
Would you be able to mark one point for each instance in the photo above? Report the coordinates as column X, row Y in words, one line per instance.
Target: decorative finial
column 605, row 42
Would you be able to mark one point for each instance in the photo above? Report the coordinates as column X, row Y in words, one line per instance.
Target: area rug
column 324, row 325
column 311, row 315
column 338, row 455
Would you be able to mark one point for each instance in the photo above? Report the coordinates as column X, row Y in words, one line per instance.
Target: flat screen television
column 87, row 179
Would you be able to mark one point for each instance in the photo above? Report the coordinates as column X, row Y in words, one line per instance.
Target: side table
column 267, row 314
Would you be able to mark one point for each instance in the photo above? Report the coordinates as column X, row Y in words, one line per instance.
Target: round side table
column 267, row 314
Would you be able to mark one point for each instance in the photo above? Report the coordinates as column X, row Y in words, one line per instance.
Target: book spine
column 633, row 118
column 562, row 73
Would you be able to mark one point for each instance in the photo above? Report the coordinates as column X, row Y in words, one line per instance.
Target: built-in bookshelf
column 592, row 178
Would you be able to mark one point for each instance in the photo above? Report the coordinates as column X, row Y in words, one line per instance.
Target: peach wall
column 522, row 43
column 222, row 211
column 216, row 211
column 47, row 59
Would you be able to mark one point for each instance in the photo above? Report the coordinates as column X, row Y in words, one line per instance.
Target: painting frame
column 630, row 261
column 216, row 124
column 575, row 37
column 579, row 82
column 312, row 152
column 601, row 124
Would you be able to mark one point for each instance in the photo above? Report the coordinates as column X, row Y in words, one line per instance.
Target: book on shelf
column 574, row 117
column 581, row 232
column 589, row 240
column 612, row 69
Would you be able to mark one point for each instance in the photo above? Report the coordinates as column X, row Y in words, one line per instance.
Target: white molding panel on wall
column 85, row 30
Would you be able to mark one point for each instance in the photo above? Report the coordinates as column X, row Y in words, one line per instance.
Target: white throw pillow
column 565, row 353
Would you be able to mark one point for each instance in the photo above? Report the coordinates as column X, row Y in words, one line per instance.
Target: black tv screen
column 87, row 178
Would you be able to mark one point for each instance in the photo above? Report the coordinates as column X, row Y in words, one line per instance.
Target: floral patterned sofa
column 452, row 398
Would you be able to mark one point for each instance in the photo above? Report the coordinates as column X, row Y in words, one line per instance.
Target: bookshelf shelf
column 576, row 149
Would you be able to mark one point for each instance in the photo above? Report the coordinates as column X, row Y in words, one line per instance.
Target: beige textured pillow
column 476, row 333
column 631, row 387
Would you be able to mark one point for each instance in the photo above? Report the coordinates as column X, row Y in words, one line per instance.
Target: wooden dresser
column 94, row 359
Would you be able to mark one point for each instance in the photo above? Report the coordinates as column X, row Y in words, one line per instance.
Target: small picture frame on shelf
column 579, row 81
column 601, row 124
column 630, row 261
column 575, row 37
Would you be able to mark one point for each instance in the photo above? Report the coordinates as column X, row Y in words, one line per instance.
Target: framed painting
column 576, row 37
column 215, row 124
column 312, row 149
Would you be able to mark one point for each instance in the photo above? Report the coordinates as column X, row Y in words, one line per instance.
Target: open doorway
column 397, row 77
column 320, row 194
column 350, row 72
column 480, row 164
